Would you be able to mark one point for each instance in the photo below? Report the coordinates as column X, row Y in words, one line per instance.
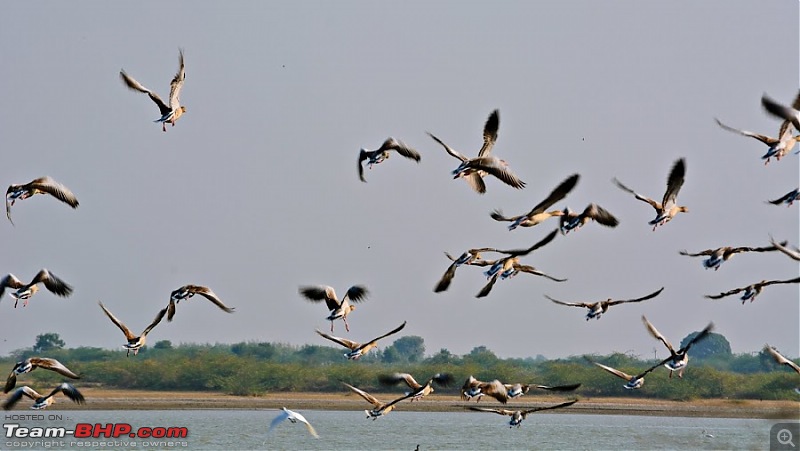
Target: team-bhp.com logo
column 96, row 430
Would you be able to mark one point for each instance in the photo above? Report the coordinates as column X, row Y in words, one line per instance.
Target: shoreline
column 112, row 399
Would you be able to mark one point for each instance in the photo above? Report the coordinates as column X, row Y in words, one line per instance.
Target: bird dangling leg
column 346, row 326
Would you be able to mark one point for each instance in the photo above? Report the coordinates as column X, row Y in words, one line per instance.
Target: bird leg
column 164, row 127
column 347, row 328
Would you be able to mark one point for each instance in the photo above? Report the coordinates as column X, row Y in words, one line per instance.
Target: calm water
column 240, row 429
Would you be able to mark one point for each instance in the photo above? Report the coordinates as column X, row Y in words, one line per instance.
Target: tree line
column 255, row 368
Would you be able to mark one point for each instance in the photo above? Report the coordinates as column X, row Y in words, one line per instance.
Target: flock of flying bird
column 505, row 266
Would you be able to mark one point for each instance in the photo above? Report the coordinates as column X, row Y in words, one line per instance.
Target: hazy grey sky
column 255, row 191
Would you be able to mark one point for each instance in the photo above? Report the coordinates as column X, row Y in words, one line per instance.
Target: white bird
column 293, row 417
column 171, row 112
column 43, row 402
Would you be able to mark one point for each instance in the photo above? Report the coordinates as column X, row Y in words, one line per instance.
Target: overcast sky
column 255, row 192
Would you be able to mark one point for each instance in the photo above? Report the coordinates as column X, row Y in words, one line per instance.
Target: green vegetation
column 255, row 368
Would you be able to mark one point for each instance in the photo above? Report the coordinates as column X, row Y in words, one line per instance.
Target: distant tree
column 163, row 344
column 481, row 355
column 714, row 345
column 251, row 349
column 412, row 347
column 47, row 342
column 442, row 357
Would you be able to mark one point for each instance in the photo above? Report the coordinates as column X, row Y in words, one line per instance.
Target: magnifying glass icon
column 784, row 437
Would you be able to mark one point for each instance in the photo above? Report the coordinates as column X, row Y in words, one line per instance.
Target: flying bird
column 293, row 417
column 382, row 153
column 780, row 359
column 338, row 309
column 473, row 388
column 25, row 291
column 418, row 391
column 778, row 147
column 794, row 254
column 677, row 360
column 134, row 343
column 782, row 111
column 379, row 408
column 787, row 198
column 539, row 213
column 632, row 382
column 753, row 290
column 474, row 169
column 722, row 254
column 43, row 402
column 42, row 185
column 517, row 390
column 467, row 258
column 170, row 113
column 30, row 364
column 597, row 309
column 518, row 415
column 509, row 266
column 668, row 207
column 571, row 220
column 187, row 291
column 358, row 349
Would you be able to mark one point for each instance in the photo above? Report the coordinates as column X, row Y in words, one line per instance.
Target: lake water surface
column 247, row 429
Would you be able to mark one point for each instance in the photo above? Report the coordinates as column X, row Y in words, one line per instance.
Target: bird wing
column 176, row 85
column 697, row 254
column 488, row 287
column 601, row 215
column 652, row 203
column 395, row 378
column 476, row 182
column 645, row 372
column 171, row 309
column 495, row 389
column 321, row 293
column 783, row 198
column 558, row 388
column 70, row 391
column 401, row 148
column 772, row 282
column 531, row 270
column 342, row 341
column 726, row 293
column 156, row 320
column 643, row 298
column 449, row 149
column 570, row 304
column 490, row 410
column 362, row 156
column 447, row 277
column 278, row 420
column 53, row 365
column 369, row 398
column 136, row 86
column 782, row 111
column 490, row 133
column 556, row 195
column 210, row 295
column 356, row 293
column 703, row 334
column 393, row 331
column 128, row 334
column 56, row 190
column 520, row 252
column 657, row 335
column 10, row 281
column 52, row 283
column 763, row 138
column 614, row 371
column 674, row 182
column 794, row 254
column 780, row 358
column 557, row 406
column 17, row 394
column 497, row 215
column 498, row 169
